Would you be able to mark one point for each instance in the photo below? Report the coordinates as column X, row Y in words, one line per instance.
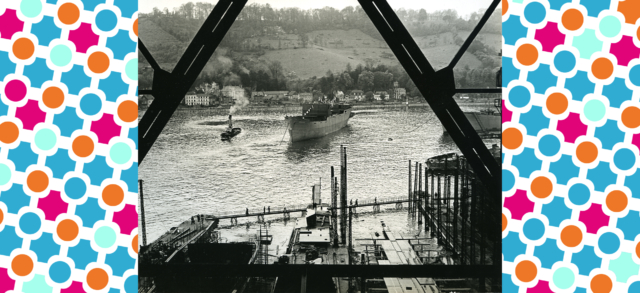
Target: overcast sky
column 464, row 7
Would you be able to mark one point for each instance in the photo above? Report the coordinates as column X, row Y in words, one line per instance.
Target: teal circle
column 564, row 278
column 31, row 8
column 610, row 26
column 60, row 55
column 45, row 139
column 105, row 237
column 132, row 69
column 5, row 174
column 594, row 110
column 120, row 153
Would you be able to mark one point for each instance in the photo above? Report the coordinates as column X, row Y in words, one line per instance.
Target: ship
column 318, row 120
column 230, row 132
column 487, row 123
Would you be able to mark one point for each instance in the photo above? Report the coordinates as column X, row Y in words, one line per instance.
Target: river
column 189, row 170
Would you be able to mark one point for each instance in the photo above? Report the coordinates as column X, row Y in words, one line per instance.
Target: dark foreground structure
column 459, row 204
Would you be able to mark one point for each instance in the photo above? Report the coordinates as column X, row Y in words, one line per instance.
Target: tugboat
column 230, row 131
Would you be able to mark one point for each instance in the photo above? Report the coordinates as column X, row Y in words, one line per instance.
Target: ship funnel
column 230, row 123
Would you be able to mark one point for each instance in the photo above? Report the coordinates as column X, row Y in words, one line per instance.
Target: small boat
column 230, row 131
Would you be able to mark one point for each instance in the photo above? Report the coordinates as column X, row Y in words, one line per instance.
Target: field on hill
column 326, row 50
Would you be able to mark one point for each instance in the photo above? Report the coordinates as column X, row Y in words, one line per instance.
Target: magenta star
column 106, row 128
column 52, row 205
column 83, row 37
column 550, row 37
column 625, row 50
column 572, row 127
column 127, row 219
column 10, row 24
column 506, row 114
column 518, row 204
column 30, row 114
column 594, row 218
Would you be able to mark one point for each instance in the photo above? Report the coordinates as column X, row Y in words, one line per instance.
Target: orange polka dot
column 617, row 201
column 68, row 13
column 98, row 62
column 505, row 6
column 638, row 250
column 571, row 236
column 631, row 117
column 541, row 187
column 638, row 33
column 128, row 111
column 505, row 222
column 22, row 265
column 572, row 19
column 23, row 48
column 587, row 152
column 37, row 181
column 67, row 230
column 134, row 243
column 82, row 146
column 557, row 103
column 527, row 54
column 602, row 68
column 135, row 27
column 112, row 195
column 97, row 279
column 511, row 138
column 53, row 97
column 601, row 284
column 8, row 132
column 526, row 271
column 1, row 216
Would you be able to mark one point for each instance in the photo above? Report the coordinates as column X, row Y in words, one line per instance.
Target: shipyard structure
column 458, row 249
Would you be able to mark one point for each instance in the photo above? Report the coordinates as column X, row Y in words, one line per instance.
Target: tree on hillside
column 365, row 81
column 422, row 15
column 368, row 96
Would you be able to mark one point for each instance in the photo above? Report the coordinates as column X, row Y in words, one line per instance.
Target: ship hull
column 303, row 129
column 484, row 123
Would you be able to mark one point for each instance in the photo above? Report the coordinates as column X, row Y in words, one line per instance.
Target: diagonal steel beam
column 474, row 33
column 438, row 89
column 147, row 55
column 170, row 88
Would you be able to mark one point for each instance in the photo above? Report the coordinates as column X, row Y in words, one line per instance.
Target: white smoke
column 240, row 102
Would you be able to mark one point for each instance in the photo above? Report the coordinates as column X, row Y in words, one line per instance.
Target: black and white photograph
column 320, row 146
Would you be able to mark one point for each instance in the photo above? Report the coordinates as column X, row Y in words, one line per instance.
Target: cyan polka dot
column 131, row 69
column 59, row 272
column 106, row 20
column 30, row 223
column 563, row 278
column 634, row 75
column 579, row 194
column 5, row 174
column 131, row 284
column 90, row 104
column 609, row 243
column 533, row 229
column 105, row 237
column 549, row 145
column 535, row 12
column 75, row 188
column 120, row 153
column 519, row 96
column 610, row 26
column 564, row 61
column 60, row 55
column 633, row 288
column 624, row 159
column 508, row 180
column 31, row 8
column 594, row 110
column 45, row 139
